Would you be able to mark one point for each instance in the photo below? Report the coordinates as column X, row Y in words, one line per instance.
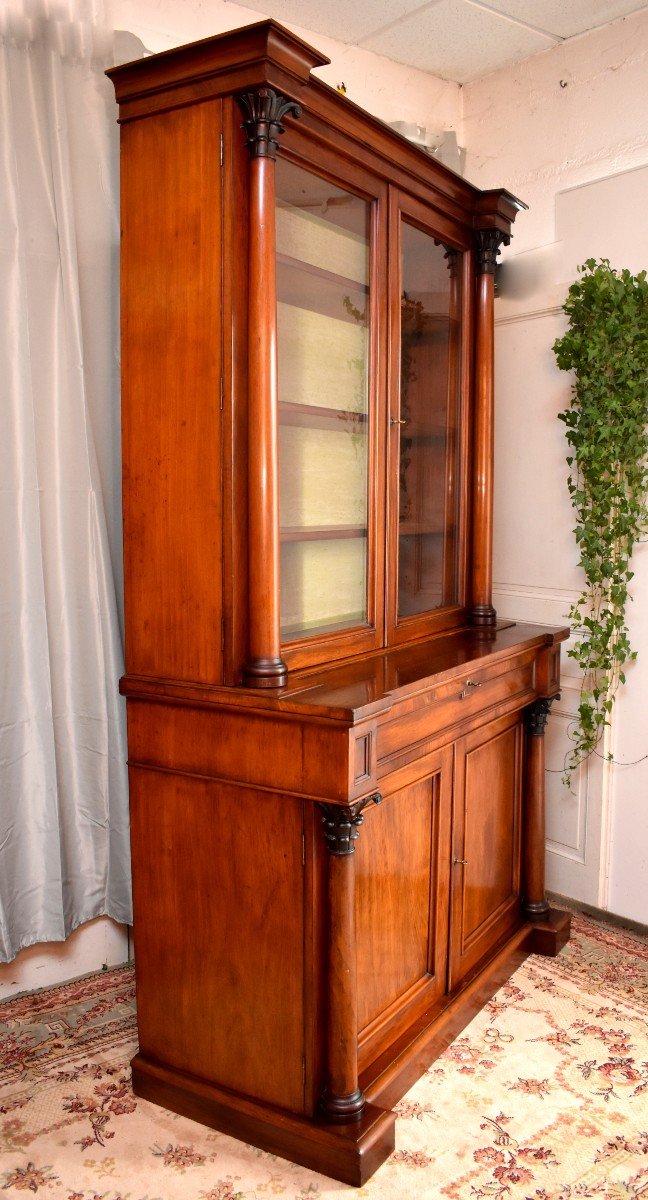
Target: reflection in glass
column 429, row 397
column 323, row 361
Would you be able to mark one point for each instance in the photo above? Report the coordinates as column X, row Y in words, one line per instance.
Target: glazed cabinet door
column 402, row 907
column 430, row 286
column 485, row 865
column 330, row 279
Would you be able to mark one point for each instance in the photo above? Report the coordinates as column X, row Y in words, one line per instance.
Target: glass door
column 324, row 349
column 427, row 451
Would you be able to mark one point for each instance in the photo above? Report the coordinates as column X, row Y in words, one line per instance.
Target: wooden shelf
column 318, row 416
column 310, row 629
column 321, row 533
column 414, row 529
column 309, row 287
column 299, row 264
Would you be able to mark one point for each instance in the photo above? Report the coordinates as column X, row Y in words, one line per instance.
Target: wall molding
column 563, row 712
column 533, row 591
column 532, row 314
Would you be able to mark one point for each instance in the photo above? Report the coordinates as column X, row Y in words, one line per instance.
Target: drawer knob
column 461, row 862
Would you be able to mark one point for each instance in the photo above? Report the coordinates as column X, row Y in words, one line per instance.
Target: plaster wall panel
column 578, row 155
column 385, row 88
column 627, row 883
column 87, row 949
column 571, row 115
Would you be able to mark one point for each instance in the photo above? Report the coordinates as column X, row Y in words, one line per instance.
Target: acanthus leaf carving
column 536, row 717
column 341, row 823
column 264, row 111
column 488, row 243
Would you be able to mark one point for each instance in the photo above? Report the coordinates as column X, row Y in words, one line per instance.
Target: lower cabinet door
column 485, row 865
column 402, row 882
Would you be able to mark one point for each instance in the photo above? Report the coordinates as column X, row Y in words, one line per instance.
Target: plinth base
column 352, row 1150
column 349, row 1151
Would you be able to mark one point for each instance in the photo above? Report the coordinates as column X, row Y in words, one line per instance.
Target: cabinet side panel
column 171, row 335
column 218, row 896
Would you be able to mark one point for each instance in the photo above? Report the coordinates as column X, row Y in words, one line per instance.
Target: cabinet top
column 364, row 687
column 265, row 54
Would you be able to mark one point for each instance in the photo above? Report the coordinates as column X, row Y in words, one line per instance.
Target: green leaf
column 606, row 430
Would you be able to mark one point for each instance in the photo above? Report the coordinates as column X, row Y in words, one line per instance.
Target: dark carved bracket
column 341, row 824
column 452, row 259
column 451, row 255
column 264, row 112
column 488, row 243
column 536, row 717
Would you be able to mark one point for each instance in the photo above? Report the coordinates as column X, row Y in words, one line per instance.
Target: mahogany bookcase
column 336, row 748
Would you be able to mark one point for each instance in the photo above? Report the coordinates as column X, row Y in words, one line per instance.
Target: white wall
column 96, row 944
column 566, row 131
column 388, row 90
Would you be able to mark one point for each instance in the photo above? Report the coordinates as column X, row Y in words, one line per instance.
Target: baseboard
column 599, row 914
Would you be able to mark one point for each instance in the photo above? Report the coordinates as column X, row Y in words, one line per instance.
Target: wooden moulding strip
column 349, row 1151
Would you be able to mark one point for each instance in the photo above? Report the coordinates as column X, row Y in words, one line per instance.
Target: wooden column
column 342, row 1096
column 264, row 110
column 535, row 902
column 482, row 613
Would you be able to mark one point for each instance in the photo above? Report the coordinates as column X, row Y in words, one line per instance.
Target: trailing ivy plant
column 606, row 346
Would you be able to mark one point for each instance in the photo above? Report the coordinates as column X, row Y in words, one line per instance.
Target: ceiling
column 454, row 39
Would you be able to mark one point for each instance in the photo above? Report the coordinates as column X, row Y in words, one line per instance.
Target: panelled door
column 486, row 841
column 401, row 868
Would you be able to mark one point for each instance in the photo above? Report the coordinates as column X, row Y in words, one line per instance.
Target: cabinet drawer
column 448, row 703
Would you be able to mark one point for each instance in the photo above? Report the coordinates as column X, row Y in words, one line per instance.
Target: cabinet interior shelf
column 321, row 533
column 299, row 264
column 422, row 437
column 416, row 529
column 343, row 621
column 317, row 416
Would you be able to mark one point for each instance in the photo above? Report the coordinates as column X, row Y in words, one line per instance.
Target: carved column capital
column 536, row 717
column 264, row 112
column 488, row 243
column 341, row 823
column 451, row 256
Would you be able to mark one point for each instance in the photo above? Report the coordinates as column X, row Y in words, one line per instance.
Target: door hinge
column 303, row 849
column 221, row 393
column 221, row 150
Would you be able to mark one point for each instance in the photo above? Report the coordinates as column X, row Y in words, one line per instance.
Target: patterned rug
column 544, row 1097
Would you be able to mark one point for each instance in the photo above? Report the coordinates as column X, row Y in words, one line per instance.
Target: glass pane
column 429, row 397
column 323, row 363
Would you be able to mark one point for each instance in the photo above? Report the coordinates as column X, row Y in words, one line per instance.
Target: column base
column 265, row 673
column 483, row 616
column 550, row 933
column 343, row 1108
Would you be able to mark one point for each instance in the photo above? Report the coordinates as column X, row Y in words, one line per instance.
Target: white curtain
column 64, row 855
